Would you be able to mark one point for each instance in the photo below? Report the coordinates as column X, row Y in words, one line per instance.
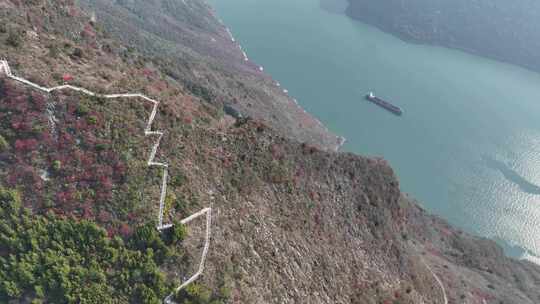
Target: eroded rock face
column 504, row 30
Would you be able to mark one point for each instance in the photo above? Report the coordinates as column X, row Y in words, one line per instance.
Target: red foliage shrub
column 25, row 145
column 125, row 230
column 104, row 216
column 111, row 231
column 147, row 72
column 39, row 102
column 74, row 11
column 161, row 85
column 64, row 197
column 83, row 168
column 277, row 152
column 106, row 183
column 88, row 31
column 88, row 212
column 120, row 170
column 67, row 78
column 314, row 196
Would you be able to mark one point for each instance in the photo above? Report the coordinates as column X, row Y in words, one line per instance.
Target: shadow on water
column 511, row 175
column 334, row 6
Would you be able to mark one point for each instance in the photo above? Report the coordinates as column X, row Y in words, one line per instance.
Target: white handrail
column 208, row 212
column 4, row 66
column 441, row 285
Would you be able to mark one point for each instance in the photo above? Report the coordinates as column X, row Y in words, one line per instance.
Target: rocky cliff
column 292, row 222
column 503, row 30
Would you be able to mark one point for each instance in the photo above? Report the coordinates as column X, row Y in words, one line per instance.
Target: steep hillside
column 188, row 43
column 291, row 223
column 504, row 30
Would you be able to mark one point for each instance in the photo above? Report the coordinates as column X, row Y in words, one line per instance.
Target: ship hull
column 385, row 105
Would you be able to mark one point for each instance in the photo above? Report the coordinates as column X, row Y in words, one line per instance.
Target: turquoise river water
column 468, row 144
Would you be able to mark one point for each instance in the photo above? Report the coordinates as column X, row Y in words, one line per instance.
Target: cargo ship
column 385, row 104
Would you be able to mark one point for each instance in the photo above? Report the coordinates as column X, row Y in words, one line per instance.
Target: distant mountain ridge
column 508, row 31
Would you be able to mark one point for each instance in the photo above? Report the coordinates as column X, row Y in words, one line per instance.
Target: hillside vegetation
column 186, row 41
column 292, row 221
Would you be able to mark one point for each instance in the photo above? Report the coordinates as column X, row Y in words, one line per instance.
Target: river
column 468, row 145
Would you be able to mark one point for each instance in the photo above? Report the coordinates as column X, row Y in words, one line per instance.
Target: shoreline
column 341, row 140
column 526, row 256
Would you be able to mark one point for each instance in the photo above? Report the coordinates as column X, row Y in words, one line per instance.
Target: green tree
column 4, row 145
column 54, row 260
column 195, row 293
column 175, row 234
column 147, row 237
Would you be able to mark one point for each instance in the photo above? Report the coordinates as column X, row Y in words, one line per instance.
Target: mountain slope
column 504, row 30
column 193, row 48
column 292, row 223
